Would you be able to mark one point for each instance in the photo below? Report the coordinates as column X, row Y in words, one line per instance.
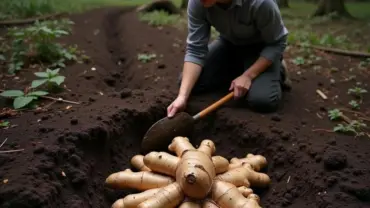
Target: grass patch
column 159, row 18
column 12, row 9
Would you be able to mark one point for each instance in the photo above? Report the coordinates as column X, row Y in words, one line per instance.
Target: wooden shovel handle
column 214, row 106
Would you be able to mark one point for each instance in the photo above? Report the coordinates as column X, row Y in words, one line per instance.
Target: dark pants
column 226, row 61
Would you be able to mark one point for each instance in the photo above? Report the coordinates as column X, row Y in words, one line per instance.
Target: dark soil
column 68, row 153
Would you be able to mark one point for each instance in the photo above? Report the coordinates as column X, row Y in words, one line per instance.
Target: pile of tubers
column 193, row 179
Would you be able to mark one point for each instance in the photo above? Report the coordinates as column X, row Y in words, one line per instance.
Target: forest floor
column 60, row 153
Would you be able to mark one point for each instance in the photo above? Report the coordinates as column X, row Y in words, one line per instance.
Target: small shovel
column 160, row 134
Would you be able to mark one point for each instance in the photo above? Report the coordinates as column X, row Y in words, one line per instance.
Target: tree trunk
column 283, row 3
column 326, row 7
column 184, row 4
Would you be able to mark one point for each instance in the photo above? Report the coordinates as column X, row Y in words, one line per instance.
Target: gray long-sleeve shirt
column 244, row 22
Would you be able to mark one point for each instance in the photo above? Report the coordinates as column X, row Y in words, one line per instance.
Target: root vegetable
column 245, row 191
column 190, row 204
column 192, row 179
column 133, row 200
column 221, row 164
column 168, row 197
column 209, row 204
column 162, row 162
column 227, row 195
column 138, row 162
column 245, row 176
column 143, row 180
column 256, row 161
column 179, row 145
column 208, row 147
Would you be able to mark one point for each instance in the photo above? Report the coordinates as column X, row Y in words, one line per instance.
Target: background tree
column 326, row 7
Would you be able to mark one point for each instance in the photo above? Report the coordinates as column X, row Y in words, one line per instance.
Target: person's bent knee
column 264, row 103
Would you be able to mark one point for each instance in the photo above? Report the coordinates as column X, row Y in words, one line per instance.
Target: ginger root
column 192, row 178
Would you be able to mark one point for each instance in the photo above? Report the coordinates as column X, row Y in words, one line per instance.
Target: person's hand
column 177, row 105
column 241, row 85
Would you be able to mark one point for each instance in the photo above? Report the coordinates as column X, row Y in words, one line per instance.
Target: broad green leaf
column 37, row 93
column 22, row 101
column 38, row 82
column 58, row 79
column 54, row 72
column 2, row 57
column 41, row 74
column 12, row 93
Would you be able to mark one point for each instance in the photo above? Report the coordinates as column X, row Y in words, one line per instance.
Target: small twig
column 55, row 99
column 3, row 142
column 346, row 119
column 337, row 51
column 60, row 100
column 11, row 151
column 352, row 111
column 326, row 130
column 322, row 95
column 365, row 119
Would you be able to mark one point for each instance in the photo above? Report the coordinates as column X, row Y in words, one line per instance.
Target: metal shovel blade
column 161, row 133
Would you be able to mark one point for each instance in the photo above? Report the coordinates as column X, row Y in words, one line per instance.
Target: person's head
column 209, row 3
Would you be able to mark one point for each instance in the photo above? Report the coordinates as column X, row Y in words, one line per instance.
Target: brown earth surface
column 69, row 152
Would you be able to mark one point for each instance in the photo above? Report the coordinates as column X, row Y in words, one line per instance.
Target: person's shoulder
column 195, row 7
column 195, row 4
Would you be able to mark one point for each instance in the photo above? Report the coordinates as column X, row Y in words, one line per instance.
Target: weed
column 22, row 99
column 354, row 104
column 37, row 43
column 4, row 123
column 353, row 128
column 335, row 114
column 357, row 91
column 159, row 18
column 50, row 77
column 145, row 58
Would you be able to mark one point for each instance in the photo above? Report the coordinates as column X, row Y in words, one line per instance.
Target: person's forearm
column 190, row 75
column 258, row 67
column 269, row 54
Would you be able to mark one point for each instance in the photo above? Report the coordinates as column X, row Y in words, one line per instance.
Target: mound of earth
column 69, row 151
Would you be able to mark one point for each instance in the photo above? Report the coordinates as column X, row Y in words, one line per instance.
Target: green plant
column 37, row 43
column 352, row 128
column 22, row 99
column 354, row 104
column 357, row 91
column 145, row 58
column 51, row 77
column 335, row 114
column 159, row 18
column 4, row 123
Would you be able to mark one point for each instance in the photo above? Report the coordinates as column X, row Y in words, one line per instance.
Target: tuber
column 256, row 161
column 221, row 164
column 168, row 197
column 190, row 204
column 138, row 162
column 209, row 204
column 227, row 195
column 245, row 176
column 162, row 162
column 133, row 200
column 137, row 180
column 192, row 178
